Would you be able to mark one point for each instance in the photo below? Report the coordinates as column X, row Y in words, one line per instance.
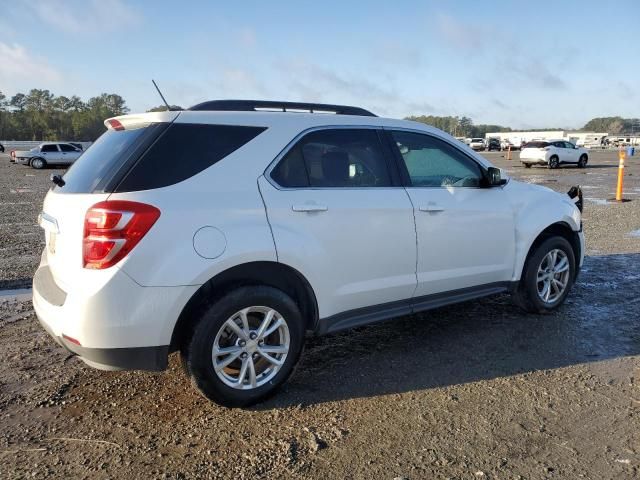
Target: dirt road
column 479, row 390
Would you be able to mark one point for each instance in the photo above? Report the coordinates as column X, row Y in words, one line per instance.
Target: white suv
column 226, row 231
column 553, row 153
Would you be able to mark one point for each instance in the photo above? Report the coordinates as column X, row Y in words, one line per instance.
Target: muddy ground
column 479, row 390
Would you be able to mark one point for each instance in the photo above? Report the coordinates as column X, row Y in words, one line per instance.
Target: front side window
column 66, row 148
column 432, row 162
column 343, row 157
column 49, row 148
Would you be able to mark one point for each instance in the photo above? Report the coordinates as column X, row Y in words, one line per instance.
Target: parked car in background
column 493, row 144
column 477, row 144
column 553, row 154
column 48, row 154
column 290, row 223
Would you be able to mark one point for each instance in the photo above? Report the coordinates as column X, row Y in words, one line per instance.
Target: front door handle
column 431, row 208
column 309, row 208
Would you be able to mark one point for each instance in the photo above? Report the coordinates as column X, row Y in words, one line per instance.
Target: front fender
column 535, row 209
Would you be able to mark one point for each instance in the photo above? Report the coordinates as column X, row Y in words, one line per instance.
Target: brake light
column 112, row 229
column 115, row 124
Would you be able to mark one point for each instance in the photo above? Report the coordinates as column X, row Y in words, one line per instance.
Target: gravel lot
column 479, row 390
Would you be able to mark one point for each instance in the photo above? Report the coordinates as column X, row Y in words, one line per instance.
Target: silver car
column 48, row 154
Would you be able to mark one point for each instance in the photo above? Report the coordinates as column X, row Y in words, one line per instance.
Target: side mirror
column 494, row 177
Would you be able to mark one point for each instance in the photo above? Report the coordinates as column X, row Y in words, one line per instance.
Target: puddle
column 597, row 201
column 16, row 295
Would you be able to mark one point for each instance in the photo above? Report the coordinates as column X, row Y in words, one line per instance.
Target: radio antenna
column 160, row 93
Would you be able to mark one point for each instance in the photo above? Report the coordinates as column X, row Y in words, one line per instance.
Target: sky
column 523, row 64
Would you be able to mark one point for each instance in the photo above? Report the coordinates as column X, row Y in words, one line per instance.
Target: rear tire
column 539, row 273
column 554, row 162
column 38, row 163
column 582, row 163
column 527, row 165
column 245, row 375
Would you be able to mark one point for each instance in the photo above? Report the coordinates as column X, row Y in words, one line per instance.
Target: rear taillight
column 112, row 229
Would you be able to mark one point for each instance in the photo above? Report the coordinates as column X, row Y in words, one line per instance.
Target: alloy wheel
column 553, row 276
column 250, row 347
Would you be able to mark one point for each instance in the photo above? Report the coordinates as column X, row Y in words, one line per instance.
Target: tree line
column 40, row 115
column 464, row 126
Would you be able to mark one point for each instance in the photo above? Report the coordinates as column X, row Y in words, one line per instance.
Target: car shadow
column 475, row 341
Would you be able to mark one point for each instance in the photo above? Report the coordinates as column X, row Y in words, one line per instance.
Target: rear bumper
column 133, row 358
column 534, row 160
column 119, row 325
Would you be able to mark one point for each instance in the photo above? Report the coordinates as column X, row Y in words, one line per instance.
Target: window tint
column 66, row 148
column 432, row 162
column 49, row 148
column 558, row 144
column 103, row 158
column 335, row 158
column 537, row 144
column 183, row 151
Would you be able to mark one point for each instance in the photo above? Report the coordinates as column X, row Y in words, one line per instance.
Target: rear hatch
column 534, row 150
column 89, row 181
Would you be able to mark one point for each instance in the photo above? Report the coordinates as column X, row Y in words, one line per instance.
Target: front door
column 466, row 235
column 340, row 217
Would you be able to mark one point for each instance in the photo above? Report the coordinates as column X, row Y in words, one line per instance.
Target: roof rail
column 270, row 105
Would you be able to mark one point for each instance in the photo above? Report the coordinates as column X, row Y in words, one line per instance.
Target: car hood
column 522, row 193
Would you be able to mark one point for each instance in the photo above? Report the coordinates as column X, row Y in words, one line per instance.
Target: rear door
column 465, row 232
column 339, row 215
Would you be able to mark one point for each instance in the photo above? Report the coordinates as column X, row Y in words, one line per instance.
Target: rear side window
column 537, row 144
column 49, row 148
column 344, row 157
column 183, row 151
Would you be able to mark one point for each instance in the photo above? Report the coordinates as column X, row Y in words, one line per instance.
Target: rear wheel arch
column 260, row 273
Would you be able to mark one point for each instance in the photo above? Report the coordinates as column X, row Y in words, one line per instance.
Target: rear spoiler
column 575, row 194
column 129, row 122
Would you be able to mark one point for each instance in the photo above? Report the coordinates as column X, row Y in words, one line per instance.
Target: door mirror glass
column 494, row 177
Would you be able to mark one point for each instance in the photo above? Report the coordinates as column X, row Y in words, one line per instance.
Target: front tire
column 245, row 345
column 547, row 277
column 582, row 162
column 38, row 163
column 527, row 165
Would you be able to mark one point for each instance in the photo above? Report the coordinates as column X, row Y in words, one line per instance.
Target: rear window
column 537, row 144
column 183, row 151
column 98, row 164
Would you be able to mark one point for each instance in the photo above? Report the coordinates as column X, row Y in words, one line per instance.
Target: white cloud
column 87, row 17
column 19, row 66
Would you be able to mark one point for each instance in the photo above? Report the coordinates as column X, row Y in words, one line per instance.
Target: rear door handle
column 431, row 207
column 309, row 208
